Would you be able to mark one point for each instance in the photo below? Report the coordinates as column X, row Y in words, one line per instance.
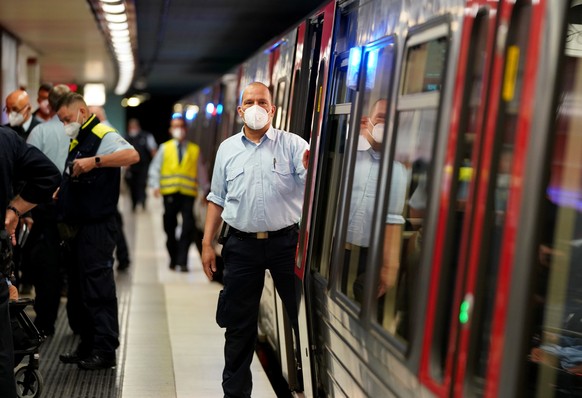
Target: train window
column 377, row 71
column 424, row 63
column 555, row 365
column 333, row 149
column 408, row 196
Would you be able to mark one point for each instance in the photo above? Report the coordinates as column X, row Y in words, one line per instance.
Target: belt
column 261, row 235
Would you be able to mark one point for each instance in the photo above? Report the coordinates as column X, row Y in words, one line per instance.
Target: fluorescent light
column 116, row 18
column 118, row 26
column 113, row 8
column 94, row 94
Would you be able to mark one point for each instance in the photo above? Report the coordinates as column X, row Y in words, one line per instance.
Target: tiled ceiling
column 183, row 45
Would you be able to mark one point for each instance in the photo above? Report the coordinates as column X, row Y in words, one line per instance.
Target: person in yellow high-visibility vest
column 174, row 174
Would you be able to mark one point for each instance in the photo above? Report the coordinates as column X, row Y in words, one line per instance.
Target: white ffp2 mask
column 256, row 117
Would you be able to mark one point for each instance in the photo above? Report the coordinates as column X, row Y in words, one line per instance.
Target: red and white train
column 479, row 292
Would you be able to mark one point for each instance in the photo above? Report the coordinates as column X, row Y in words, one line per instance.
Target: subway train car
column 441, row 238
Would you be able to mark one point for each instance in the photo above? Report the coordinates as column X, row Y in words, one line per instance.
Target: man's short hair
column 56, row 94
column 69, row 99
column 45, row 87
column 257, row 83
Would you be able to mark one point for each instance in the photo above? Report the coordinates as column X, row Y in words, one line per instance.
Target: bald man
column 19, row 113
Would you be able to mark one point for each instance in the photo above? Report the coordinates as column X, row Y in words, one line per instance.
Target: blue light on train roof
column 176, row 115
column 210, row 108
column 355, row 59
column 219, row 109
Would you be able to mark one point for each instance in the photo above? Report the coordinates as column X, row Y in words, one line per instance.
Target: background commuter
column 19, row 113
column 40, row 178
column 176, row 174
column 257, row 190
column 20, row 120
column 87, row 204
column 136, row 175
column 44, row 113
column 43, row 242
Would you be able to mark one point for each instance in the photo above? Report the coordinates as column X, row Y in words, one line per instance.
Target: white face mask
column 256, row 117
column 176, row 133
column 377, row 132
column 15, row 119
column 72, row 129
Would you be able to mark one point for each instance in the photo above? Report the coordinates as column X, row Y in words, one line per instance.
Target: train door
column 282, row 53
column 305, row 116
column 474, row 258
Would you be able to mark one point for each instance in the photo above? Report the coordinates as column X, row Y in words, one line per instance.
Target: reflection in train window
column 413, row 150
column 333, row 148
column 378, row 65
column 281, row 104
column 424, row 63
column 555, row 360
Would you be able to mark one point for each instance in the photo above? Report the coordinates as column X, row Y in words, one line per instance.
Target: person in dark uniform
column 136, row 175
column 19, row 163
column 87, row 204
column 257, row 190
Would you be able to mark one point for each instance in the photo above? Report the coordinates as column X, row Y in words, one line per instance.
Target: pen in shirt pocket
column 274, row 163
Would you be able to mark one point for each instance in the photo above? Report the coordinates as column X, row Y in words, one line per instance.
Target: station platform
column 171, row 345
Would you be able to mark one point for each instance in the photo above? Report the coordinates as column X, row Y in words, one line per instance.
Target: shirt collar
column 26, row 124
column 270, row 134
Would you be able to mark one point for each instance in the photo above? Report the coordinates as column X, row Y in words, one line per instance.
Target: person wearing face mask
column 19, row 113
column 360, row 217
column 136, row 176
column 20, row 120
column 43, row 243
column 257, row 194
column 87, row 206
column 177, row 174
column 44, row 113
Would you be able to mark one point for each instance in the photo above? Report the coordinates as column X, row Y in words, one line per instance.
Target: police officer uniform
column 260, row 189
column 87, row 207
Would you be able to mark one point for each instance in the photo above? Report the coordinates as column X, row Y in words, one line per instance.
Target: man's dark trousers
column 245, row 262
column 175, row 204
column 92, row 284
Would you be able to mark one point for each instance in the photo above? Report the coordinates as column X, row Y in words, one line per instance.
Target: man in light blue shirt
column 43, row 245
column 257, row 190
column 364, row 188
column 50, row 136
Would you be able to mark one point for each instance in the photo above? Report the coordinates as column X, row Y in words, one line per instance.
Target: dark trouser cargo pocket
column 221, row 310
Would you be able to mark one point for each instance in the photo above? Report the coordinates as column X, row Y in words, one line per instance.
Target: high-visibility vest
column 179, row 177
